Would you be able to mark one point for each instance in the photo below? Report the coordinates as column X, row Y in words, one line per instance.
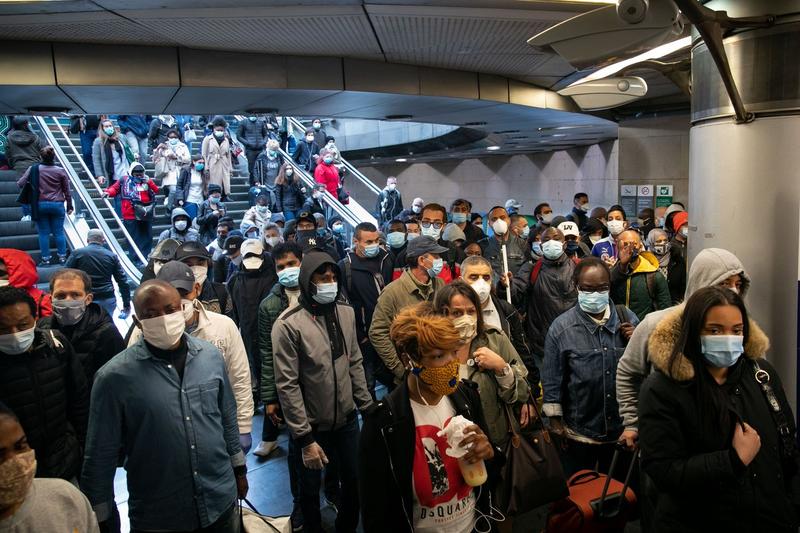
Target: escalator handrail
column 99, row 189
column 80, row 189
column 350, row 168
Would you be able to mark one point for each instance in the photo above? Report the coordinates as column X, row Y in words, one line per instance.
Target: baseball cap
column 513, row 204
column 191, row 249
column 251, row 247
column 177, row 274
column 424, row 245
column 307, row 216
column 232, row 244
column 569, row 228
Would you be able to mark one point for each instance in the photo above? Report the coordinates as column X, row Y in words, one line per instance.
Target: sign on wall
column 644, row 195
column 627, row 199
column 663, row 195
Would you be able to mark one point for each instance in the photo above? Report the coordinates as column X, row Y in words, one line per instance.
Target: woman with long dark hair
column 717, row 434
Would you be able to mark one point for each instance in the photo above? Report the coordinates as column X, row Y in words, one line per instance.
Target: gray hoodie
column 711, row 267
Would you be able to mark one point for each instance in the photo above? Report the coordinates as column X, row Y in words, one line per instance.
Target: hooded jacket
column 46, row 389
column 328, row 175
column 22, row 274
column 643, row 289
column 94, row 338
column 143, row 192
column 304, row 155
column 702, row 484
column 388, row 205
column 318, row 365
column 189, row 234
column 711, row 267
column 363, row 280
column 136, row 124
column 22, row 149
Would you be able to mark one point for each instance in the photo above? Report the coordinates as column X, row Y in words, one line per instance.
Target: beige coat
column 218, row 162
column 174, row 159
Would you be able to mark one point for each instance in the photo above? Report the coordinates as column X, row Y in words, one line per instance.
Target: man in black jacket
column 214, row 296
column 101, row 264
column 252, row 133
column 366, row 271
column 89, row 329
column 42, row 381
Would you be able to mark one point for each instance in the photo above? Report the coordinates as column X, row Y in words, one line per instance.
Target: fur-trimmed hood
column 666, row 334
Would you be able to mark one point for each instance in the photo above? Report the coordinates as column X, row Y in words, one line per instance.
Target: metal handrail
column 80, row 189
column 350, row 168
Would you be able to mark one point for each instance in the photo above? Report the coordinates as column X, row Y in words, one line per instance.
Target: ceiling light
column 559, row 135
column 655, row 53
column 401, row 160
column 492, row 148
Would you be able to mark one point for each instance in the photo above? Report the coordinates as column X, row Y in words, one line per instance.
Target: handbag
column 254, row 522
column 144, row 212
column 532, row 475
column 161, row 168
column 29, row 194
column 189, row 136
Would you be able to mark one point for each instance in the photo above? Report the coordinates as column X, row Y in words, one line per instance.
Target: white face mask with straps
column 164, row 331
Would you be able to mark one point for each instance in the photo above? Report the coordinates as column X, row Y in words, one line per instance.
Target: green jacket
column 643, row 289
column 400, row 293
column 268, row 312
column 493, row 397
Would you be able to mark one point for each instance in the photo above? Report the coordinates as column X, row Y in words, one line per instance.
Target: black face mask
column 138, row 178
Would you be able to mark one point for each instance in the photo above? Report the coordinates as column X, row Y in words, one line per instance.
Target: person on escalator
column 290, row 194
column 23, row 146
column 259, row 214
column 305, row 155
column 110, row 163
column 18, row 270
column 181, row 229
column 252, row 133
column 313, row 203
column 138, row 193
column 326, row 172
column 267, row 166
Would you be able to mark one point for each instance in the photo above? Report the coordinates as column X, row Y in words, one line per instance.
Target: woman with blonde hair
column 289, row 192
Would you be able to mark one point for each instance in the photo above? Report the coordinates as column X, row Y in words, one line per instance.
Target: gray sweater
column 52, row 505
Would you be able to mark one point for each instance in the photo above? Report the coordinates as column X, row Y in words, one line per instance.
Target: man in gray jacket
column 320, row 382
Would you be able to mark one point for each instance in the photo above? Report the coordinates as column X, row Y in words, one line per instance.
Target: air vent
column 398, row 117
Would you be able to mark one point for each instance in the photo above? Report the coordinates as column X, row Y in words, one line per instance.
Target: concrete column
column 744, row 180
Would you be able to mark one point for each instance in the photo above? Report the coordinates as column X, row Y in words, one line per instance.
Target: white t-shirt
column 195, row 188
column 293, row 295
column 443, row 502
column 120, row 164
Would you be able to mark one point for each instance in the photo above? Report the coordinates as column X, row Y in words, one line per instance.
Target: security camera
column 632, row 11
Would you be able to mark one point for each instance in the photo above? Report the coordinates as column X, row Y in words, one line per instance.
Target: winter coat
column 131, row 192
column 133, row 123
column 159, row 130
column 256, row 218
column 702, row 484
column 173, row 166
column 313, row 205
column 101, row 264
column 265, row 170
column 215, row 298
column 269, row 310
column 46, row 388
column 642, row 290
column 578, row 216
column 452, row 262
column 389, row 205
column 95, row 338
column 207, row 220
column 363, row 280
column 328, row 176
column 247, row 290
column 304, row 155
column 189, row 235
column 516, row 250
column 22, row 274
column 386, row 458
column 185, row 182
column 513, row 326
column 22, row 150
column 218, row 159
column 289, row 196
column 676, row 277
column 103, row 159
column 252, row 135
column 553, row 293
column 711, row 267
column 318, row 366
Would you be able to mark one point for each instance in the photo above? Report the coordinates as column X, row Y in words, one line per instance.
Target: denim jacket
column 580, row 369
column 180, row 438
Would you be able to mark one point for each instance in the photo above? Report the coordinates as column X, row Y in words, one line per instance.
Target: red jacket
column 125, row 186
column 328, row 175
column 22, row 274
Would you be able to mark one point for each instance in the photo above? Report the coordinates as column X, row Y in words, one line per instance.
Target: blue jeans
column 109, row 304
column 289, row 215
column 51, row 221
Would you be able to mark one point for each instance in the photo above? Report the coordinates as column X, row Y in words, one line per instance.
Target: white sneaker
column 265, row 448
column 26, row 218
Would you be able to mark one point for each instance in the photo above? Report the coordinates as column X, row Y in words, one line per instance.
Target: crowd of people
column 400, row 362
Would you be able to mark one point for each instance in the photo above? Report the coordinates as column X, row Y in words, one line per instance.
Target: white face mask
column 416, row 208
column 594, row 239
column 483, row 289
column 252, row 263
column 164, row 331
column 188, row 310
column 615, row 227
column 157, row 267
column 548, row 218
column 273, row 241
column 200, row 273
column 467, row 326
column 500, row 226
column 4, row 282
column 180, row 225
column 17, row 343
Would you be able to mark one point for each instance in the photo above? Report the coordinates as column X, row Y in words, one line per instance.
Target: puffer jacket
column 289, row 196
column 22, row 274
column 133, row 123
column 46, row 389
column 253, row 135
column 318, row 364
column 95, row 339
column 22, row 150
column 188, row 235
column 269, row 310
column 265, row 170
column 642, row 290
column 328, row 176
column 207, row 220
column 702, row 484
column 553, row 293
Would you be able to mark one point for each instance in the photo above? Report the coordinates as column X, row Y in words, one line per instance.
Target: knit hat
column 453, row 233
column 680, row 219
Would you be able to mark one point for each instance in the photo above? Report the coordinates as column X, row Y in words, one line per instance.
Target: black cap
column 306, row 215
column 165, row 250
column 177, row 274
column 213, row 187
column 424, row 245
column 191, row 249
column 233, row 243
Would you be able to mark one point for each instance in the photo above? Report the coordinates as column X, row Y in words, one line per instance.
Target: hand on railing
column 101, row 180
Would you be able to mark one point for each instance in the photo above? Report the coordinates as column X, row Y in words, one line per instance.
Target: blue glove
column 246, row 441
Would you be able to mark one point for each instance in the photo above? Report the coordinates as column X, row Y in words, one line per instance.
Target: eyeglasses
column 436, row 225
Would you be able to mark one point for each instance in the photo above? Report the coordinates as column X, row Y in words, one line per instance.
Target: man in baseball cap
column 573, row 246
column 513, row 207
column 214, row 296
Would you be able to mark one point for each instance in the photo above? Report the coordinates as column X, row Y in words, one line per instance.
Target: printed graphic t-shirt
column 443, row 502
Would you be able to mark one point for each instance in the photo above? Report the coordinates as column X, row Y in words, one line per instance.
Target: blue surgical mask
column 272, row 153
column 252, row 119
column 526, row 231
column 396, row 239
column 412, row 236
column 338, row 228
column 459, row 218
column 722, row 351
column 372, row 250
column 321, row 232
column 326, row 293
column 573, row 247
column 199, row 166
column 430, row 231
column 214, row 199
column 536, row 248
column 552, row 249
column 593, row 302
column 109, row 131
column 328, row 160
column 289, row 277
column 173, row 142
column 436, row 267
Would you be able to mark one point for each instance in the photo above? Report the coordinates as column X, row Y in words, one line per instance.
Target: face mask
column 483, row 289
column 309, row 138
column 317, row 125
column 200, row 273
column 4, row 282
column 157, row 267
column 338, row 228
column 17, row 343
column 416, row 209
column 660, row 222
column 572, row 247
column 252, row 119
column 500, row 226
column 321, row 232
column 371, row 250
column 459, row 218
column 548, row 218
column 430, row 231
column 328, row 160
column 252, row 263
column 289, row 172
column 180, row 225
column 526, row 231
column 436, row 267
column 594, row 239
column 273, row 241
column 326, row 293
column 593, row 302
column 615, row 227
column 173, row 142
column 412, row 236
column 237, row 260
column 316, row 195
column 289, row 276
column 552, row 249
column 536, row 248
column 16, row 477
column 187, row 306
column 272, row 153
column 584, row 207
column 661, row 249
column 164, row 331
column 69, row 312
column 199, row 167
column 219, row 134
column 262, row 209
column 214, row 199
column 685, row 232
column 467, row 326
column 391, row 187
column 396, row 239
column 109, row 131
column 442, row 380
column 722, row 351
